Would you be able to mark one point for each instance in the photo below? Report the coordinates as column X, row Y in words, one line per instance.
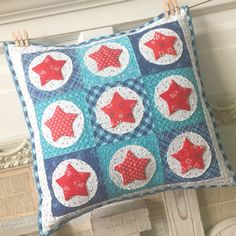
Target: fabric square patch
column 80, row 168
column 120, row 160
column 159, row 88
column 107, row 62
column 119, row 111
column 50, row 83
column 64, row 124
column 193, row 138
column 160, row 48
column 116, row 118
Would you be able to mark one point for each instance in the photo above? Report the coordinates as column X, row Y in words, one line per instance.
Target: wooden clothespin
column 170, row 8
column 165, row 7
column 176, row 6
column 21, row 39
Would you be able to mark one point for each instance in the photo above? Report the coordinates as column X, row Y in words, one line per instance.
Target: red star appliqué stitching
column 49, row 69
column 190, row 156
column 161, row 45
column 106, row 57
column 132, row 168
column 120, row 110
column 73, row 183
column 61, row 124
column 177, row 97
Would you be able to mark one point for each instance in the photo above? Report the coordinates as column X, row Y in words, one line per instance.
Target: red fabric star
column 161, row 45
column 177, row 97
column 49, row 69
column 106, row 57
column 120, row 110
column 132, row 168
column 190, row 156
column 61, row 124
column 73, row 183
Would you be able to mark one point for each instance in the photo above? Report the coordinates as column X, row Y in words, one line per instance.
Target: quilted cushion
column 115, row 118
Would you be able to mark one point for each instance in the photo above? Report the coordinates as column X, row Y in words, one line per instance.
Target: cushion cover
column 117, row 118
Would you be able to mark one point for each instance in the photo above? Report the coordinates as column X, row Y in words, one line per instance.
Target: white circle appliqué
column 162, row 105
column 177, row 144
column 106, row 98
column 91, row 184
column 66, row 70
column 124, row 59
column 119, row 157
column 78, row 123
column 166, row 58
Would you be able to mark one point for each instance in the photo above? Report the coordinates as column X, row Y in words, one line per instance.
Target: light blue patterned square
column 85, row 141
column 91, row 79
column 161, row 122
column 106, row 152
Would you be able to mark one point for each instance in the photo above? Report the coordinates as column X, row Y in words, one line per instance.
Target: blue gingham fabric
column 102, row 136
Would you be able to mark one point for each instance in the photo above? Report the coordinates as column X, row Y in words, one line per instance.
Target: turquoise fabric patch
column 161, row 122
column 85, row 141
column 106, row 152
column 91, row 79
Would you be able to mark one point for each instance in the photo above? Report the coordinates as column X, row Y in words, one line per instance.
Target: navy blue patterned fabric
column 90, row 157
column 39, row 95
column 166, row 138
column 148, row 68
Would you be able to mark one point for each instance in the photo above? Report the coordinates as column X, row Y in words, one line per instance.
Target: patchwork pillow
column 116, row 118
